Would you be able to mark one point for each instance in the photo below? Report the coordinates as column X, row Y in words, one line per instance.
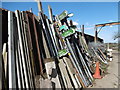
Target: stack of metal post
column 53, row 48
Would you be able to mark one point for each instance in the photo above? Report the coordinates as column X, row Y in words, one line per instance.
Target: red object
column 97, row 72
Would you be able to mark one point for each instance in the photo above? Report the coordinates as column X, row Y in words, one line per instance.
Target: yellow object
column 69, row 54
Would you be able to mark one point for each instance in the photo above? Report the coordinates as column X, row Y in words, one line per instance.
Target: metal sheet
column 23, row 57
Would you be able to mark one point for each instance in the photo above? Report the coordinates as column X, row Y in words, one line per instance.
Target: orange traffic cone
column 97, row 72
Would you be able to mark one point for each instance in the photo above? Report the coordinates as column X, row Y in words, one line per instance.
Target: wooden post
column 82, row 30
column 71, row 71
column 4, row 54
column 71, row 23
column 95, row 38
column 64, row 73
column 50, row 13
column 39, row 5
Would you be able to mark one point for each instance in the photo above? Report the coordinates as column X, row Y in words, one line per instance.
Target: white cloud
column 90, row 25
column 111, row 26
column 111, row 21
column 75, row 23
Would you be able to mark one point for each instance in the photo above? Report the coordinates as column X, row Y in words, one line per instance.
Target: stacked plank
column 21, row 49
column 53, row 48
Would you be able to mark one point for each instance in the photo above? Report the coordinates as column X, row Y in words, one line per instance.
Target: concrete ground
column 111, row 79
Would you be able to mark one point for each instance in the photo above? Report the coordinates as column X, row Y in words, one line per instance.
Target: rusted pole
column 37, row 44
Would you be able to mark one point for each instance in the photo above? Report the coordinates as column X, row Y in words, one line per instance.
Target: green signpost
column 63, row 15
column 63, row 27
column 68, row 33
column 62, row 52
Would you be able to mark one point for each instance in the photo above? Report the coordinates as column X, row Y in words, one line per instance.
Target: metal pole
column 84, row 64
column 11, row 61
column 51, row 25
column 53, row 40
column 46, row 34
column 76, row 64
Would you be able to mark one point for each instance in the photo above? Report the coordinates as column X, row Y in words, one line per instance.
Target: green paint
column 62, row 52
column 63, row 27
column 63, row 15
column 68, row 33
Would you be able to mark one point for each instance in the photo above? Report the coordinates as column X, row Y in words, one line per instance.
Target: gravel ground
column 111, row 79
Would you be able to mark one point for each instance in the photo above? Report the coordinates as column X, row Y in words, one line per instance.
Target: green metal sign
column 62, row 52
column 63, row 27
column 63, row 15
column 68, row 33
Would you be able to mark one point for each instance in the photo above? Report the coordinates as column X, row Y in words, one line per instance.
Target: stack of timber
column 52, row 48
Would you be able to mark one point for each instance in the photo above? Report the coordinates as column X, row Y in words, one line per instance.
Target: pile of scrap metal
column 51, row 48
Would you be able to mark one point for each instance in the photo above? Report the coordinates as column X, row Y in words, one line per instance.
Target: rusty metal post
column 37, row 44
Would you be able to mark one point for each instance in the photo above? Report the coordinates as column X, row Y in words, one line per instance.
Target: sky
column 85, row 13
